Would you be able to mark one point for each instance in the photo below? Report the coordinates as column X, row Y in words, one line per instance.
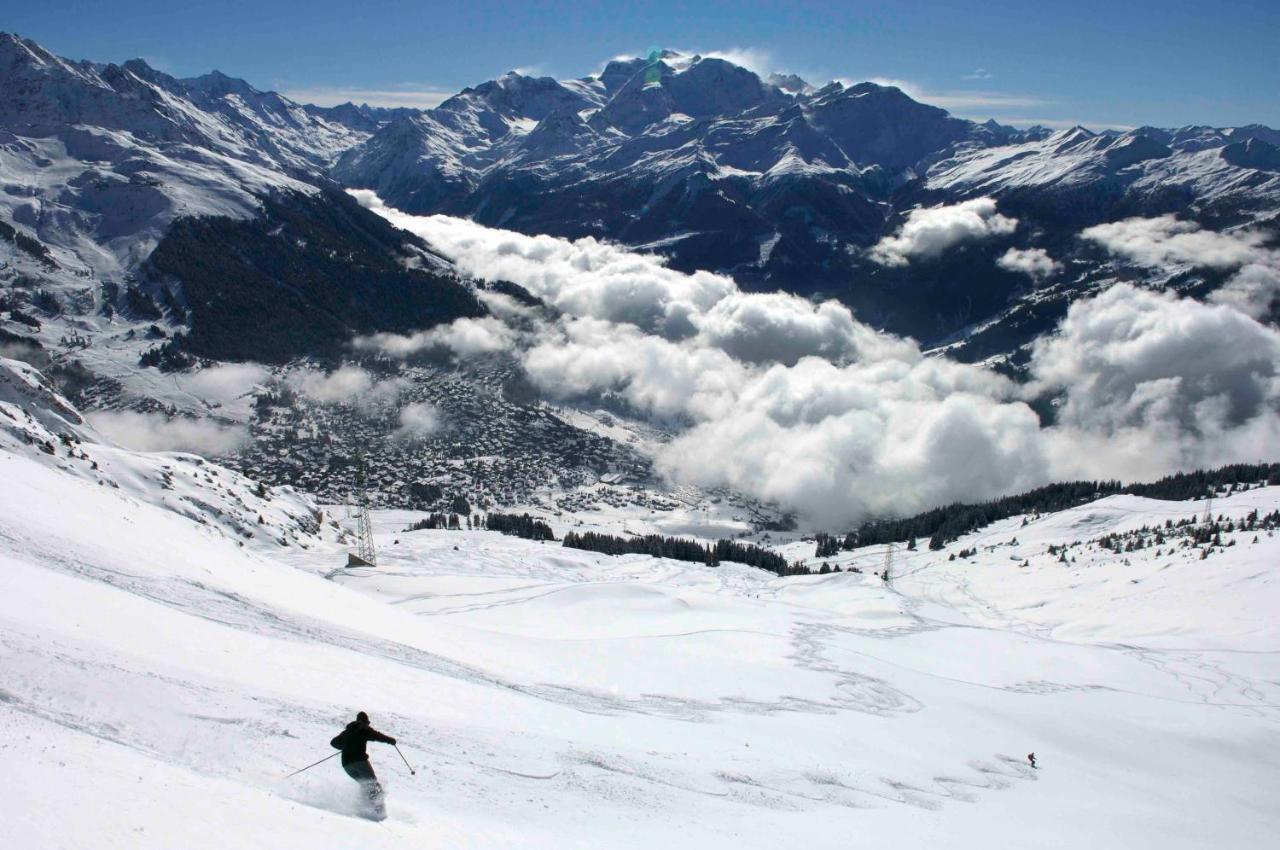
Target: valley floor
column 159, row 680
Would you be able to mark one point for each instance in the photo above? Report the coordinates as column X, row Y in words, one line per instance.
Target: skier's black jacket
column 353, row 739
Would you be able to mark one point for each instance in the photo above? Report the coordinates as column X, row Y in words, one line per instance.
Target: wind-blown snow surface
column 160, row 679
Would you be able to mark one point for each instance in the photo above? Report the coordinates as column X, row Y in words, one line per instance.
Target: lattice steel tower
column 365, row 555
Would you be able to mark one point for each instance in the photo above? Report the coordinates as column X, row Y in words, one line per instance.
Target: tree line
column 945, row 524
column 683, row 549
column 516, row 525
column 519, row 525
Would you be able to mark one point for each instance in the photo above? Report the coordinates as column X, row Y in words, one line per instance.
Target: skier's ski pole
column 308, row 767
column 412, row 772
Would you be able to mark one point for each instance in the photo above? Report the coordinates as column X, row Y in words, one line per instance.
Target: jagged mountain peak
column 217, row 84
column 14, row 48
column 562, row 131
column 790, row 83
column 1253, row 153
column 517, row 96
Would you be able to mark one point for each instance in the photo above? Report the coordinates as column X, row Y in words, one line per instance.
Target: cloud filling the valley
column 801, row 404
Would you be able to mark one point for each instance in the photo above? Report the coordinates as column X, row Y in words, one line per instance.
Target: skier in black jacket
column 355, row 761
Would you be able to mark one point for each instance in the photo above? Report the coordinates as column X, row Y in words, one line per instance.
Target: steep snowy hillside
column 161, row 681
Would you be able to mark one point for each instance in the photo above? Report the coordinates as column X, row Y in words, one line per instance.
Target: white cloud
column 1166, row 242
column 956, row 101
column 1252, row 290
column 1151, row 382
column 224, row 383
column 985, row 101
column 341, row 385
column 1064, row 123
column 411, row 98
column 802, row 404
column 928, row 232
column 979, row 74
column 154, row 432
column 1035, row 262
column 839, row 443
column 345, row 385
column 464, row 337
column 673, row 380
column 418, row 420
column 586, row 278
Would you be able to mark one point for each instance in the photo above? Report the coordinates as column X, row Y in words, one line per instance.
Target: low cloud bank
column 418, row 420
column 340, row 385
column 928, row 233
column 224, row 383
column 1151, row 382
column 1034, row 262
column 155, row 432
column 345, row 385
column 464, row 337
column 802, row 404
column 1167, row 243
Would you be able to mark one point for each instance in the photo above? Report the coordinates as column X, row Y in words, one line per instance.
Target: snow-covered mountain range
column 155, row 229
column 708, row 164
column 780, row 184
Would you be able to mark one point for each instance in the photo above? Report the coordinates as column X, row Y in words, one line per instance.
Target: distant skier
column 355, row 761
column 1031, row 757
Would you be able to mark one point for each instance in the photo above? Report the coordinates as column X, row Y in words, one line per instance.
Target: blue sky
column 1117, row 63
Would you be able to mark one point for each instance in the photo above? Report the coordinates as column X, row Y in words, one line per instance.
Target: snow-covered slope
column 1233, row 172
column 160, row 680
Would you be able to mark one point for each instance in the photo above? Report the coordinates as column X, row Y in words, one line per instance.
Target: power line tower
column 1208, row 509
column 888, row 563
column 365, row 555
